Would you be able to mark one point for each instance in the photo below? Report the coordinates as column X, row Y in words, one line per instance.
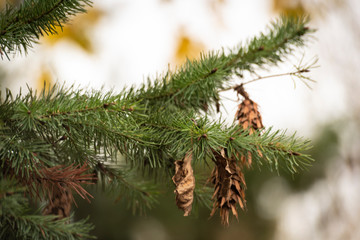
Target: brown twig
column 86, row 109
column 264, row 77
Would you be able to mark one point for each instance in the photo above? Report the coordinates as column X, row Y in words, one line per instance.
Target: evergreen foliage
column 109, row 138
column 22, row 26
column 17, row 222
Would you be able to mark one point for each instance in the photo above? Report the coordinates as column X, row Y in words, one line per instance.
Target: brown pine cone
column 59, row 203
column 185, row 184
column 229, row 185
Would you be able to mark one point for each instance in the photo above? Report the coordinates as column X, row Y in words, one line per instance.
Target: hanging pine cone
column 59, row 203
column 185, row 184
column 249, row 119
column 229, row 185
column 248, row 116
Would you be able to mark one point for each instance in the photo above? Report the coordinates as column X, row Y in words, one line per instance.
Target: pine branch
column 76, row 120
column 179, row 134
column 21, row 27
column 196, row 83
column 23, row 155
column 273, row 148
column 42, row 227
column 16, row 222
column 153, row 139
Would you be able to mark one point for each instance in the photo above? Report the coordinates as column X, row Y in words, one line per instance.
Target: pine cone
column 185, row 184
column 59, row 203
column 229, row 185
column 249, row 118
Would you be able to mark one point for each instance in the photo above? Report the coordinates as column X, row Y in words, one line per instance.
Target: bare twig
column 298, row 72
column 268, row 76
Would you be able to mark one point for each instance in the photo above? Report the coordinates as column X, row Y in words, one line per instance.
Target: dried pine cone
column 229, row 185
column 59, row 203
column 249, row 118
column 185, row 184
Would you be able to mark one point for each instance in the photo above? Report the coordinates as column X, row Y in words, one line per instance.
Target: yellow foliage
column 77, row 30
column 45, row 80
column 187, row 48
column 289, row 7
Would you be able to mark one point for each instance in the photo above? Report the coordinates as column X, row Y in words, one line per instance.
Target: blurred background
column 122, row 42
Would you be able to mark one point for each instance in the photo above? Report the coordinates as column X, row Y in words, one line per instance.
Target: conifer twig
column 293, row 73
column 298, row 72
column 263, row 77
column 22, row 26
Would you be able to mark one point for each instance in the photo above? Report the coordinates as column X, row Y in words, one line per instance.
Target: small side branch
column 294, row 73
column 299, row 72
